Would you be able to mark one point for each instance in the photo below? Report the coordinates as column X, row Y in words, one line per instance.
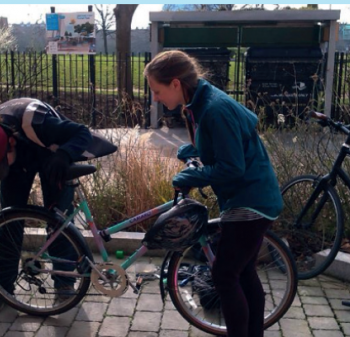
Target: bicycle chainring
column 117, row 283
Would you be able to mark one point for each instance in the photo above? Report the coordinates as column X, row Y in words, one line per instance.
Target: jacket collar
column 197, row 100
column 197, row 94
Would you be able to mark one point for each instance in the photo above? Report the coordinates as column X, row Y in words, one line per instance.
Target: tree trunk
column 105, row 42
column 123, row 15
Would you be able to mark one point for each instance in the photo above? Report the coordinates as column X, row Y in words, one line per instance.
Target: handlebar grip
column 185, row 191
column 318, row 115
column 324, row 120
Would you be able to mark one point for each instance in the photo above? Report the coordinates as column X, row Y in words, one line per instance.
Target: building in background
column 32, row 37
column 344, row 37
column 29, row 36
column 3, row 22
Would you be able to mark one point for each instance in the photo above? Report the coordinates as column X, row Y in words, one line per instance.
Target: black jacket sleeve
column 68, row 136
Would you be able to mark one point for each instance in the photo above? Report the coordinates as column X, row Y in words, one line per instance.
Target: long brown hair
column 172, row 64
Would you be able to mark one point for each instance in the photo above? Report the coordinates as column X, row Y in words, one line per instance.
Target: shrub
column 307, row 149
column 138, row 178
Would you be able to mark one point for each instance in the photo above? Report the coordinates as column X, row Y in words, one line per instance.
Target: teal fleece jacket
column 236, row 164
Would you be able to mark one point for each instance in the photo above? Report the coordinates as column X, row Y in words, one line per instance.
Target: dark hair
column 172, row 64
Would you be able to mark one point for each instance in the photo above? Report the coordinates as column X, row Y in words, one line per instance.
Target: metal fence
column 85, row 86
column 341, row 87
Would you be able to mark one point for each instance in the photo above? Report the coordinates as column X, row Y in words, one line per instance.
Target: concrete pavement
column 316, row 312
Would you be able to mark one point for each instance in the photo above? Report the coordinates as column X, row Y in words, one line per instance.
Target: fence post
column 238, row 64
column 54, row 73
column 13, row 70
column 92, row 72
column 340, row 82
column 147, row 95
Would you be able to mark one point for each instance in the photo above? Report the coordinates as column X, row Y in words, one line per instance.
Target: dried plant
column 7, row 40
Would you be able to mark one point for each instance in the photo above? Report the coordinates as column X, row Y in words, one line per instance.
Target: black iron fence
column 85, row 87
column 341, row 88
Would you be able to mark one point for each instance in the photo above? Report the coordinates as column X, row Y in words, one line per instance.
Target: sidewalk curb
column 128, row 242
column 339, row 268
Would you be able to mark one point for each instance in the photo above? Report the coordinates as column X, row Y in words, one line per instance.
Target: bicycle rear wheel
column 193, row 294
column 315, row 240
column 31, row 285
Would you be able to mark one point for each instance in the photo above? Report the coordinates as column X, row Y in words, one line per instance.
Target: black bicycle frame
column 330, row 178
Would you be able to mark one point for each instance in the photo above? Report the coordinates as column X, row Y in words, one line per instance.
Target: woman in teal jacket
column 237, row 167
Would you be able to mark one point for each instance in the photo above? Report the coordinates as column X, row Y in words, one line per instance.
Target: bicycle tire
column 313, row 246
column 188, row 288
column 34, row 289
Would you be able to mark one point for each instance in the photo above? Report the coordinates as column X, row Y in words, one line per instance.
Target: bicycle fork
column 204, row 242
column 318, row 190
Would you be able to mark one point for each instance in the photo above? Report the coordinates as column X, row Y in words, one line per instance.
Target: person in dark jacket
column 34, row 138
column 237, row 167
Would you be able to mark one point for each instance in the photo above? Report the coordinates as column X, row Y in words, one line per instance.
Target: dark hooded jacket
column 236, row 164
column 41, row 130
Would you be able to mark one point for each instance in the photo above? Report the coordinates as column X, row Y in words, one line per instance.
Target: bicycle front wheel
column 39, row 284
column 193, row 294
column 315, row 238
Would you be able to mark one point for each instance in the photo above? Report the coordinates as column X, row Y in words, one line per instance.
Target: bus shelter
column 246, row 28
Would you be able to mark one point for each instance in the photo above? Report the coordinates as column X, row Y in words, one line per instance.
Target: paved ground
column 316, row 311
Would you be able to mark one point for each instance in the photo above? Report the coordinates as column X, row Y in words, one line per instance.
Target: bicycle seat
column 79, row 170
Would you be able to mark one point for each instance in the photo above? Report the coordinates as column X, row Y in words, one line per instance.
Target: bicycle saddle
column 79, row 170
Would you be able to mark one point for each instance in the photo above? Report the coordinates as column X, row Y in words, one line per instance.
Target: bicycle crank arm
column 92, row 265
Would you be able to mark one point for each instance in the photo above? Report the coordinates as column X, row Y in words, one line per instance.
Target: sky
column 34, row 13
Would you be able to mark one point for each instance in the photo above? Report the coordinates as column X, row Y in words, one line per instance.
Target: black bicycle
column 312, row 222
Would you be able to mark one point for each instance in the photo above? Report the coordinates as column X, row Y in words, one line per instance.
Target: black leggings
column 14, row 191
column 236, row 280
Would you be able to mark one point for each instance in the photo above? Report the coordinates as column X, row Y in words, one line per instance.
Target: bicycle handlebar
column 195, row 163
column 191, row 162
column 324, row 120
column 185, row 191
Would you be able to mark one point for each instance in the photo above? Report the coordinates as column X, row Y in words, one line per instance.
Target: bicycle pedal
column 139, row 282
column 148, row 277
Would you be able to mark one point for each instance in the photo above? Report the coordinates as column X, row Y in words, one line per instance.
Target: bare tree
column 105, row 21
column 308, row 7
column 216, row 7
column 256, row 6
column 170, row 8
column 123, row 16
column 7, row 40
